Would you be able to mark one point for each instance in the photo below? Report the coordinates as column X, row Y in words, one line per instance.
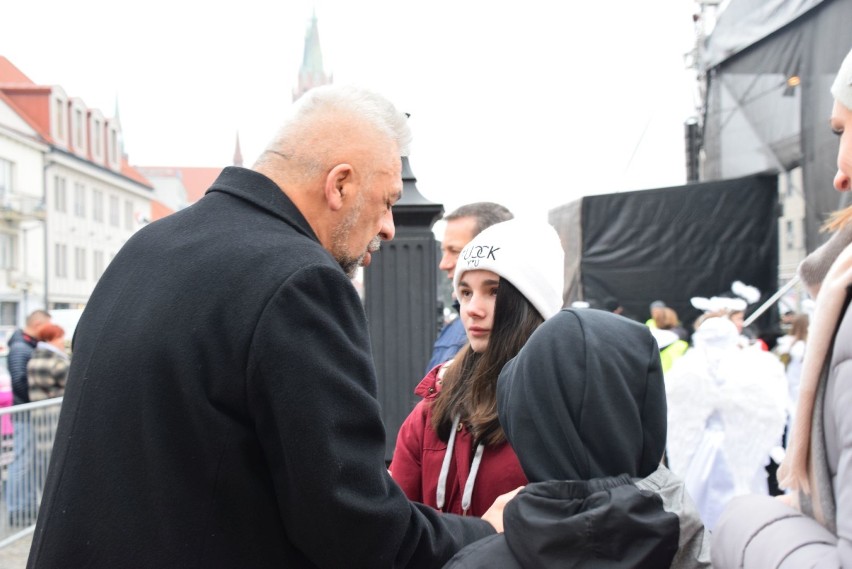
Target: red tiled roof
column 129, row 171
column 29, row 101
column 159, row 210
column 32, row 103
column 19, row 112
column 11, row 74
column 195, row 180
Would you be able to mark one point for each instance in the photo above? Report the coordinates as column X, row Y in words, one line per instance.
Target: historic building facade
column 68, row 197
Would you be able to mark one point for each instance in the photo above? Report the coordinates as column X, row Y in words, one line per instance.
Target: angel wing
column 753, row 406
column 748, row 390
column 691, row 397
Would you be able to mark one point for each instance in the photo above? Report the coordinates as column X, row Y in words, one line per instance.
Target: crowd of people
column 537, row 440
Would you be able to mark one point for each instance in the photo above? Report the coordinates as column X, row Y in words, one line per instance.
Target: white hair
column 322, row 105
column 361, row 103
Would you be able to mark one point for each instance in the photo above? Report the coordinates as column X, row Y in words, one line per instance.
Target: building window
column 60, row 118
column 113, row 211
column 97, row 144
column 77, row 127
column 79, row 199
column 98, row 264
column 790, row 235
column 79, row 263
column 61, row 251
column 97, row 138
column 128, row 216
column 5, row 180
column 113, row 146
column 7, row 251
column 59, row 201
column 97, row 205
column 8, row 313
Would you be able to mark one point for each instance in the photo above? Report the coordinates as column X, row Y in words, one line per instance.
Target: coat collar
column 256, row 188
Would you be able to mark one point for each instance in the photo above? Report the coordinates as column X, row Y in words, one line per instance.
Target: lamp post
column 401, row 303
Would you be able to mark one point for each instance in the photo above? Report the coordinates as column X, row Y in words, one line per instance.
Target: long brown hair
column 469, row 384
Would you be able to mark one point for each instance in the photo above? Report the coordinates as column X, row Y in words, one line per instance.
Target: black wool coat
column 221, row 407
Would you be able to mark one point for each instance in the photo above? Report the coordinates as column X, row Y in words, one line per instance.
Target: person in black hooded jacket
column 588, row 423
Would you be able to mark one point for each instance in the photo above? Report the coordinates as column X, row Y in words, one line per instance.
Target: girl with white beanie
column 451, row 452
column 811, row 526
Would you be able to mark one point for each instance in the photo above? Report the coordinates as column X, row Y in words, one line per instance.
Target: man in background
column 20, row 490
column 463, row 225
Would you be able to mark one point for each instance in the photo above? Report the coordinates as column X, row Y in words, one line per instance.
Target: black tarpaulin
column 674, row 243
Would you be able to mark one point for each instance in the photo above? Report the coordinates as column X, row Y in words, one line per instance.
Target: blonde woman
column 811, row 526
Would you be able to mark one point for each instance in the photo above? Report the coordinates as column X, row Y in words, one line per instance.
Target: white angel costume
column 726, row 411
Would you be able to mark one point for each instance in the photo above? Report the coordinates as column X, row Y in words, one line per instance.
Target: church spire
column 238, row 155
column 311, row 73
column 117, row 118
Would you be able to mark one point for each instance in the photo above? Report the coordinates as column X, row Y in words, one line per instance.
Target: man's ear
column 335, row 185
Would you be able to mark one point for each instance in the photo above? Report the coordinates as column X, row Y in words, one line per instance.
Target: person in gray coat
column 811, row 526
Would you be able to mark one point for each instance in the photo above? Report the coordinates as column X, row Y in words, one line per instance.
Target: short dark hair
column 37, row 316
column 486, row 214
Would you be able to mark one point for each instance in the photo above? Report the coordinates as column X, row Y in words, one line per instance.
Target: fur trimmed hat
column 842, row 87
column 528, row 255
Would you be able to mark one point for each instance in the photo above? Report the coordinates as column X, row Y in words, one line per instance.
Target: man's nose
column 387, row 230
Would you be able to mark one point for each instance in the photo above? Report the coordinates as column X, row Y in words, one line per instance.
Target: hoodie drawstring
column 440, row 494
column 468, row 486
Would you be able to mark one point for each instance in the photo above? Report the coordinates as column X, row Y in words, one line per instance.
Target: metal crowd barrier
column 24, row 457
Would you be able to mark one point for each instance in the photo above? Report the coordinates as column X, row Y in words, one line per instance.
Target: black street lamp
column 400, row 298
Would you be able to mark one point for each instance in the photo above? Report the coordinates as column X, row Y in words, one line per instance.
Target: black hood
column 584, row 398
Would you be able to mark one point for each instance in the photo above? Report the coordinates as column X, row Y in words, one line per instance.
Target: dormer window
column 97, row 127
column 59, row 117
column 96, row 135
column 78, row 126
column 113, row 145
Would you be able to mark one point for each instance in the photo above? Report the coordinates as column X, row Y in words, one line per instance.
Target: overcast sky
column 532, row 104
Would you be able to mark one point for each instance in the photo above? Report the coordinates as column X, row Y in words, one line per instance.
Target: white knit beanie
column 528, row 255
column 842, row 87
